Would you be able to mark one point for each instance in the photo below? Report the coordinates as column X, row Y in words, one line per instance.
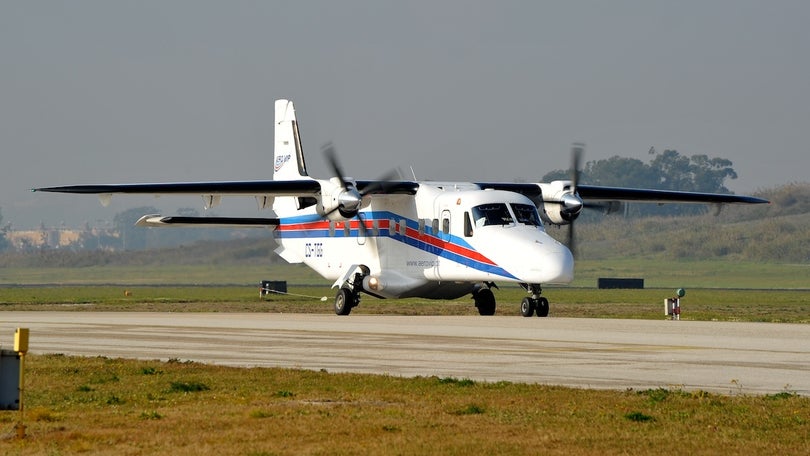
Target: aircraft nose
column 550, row 262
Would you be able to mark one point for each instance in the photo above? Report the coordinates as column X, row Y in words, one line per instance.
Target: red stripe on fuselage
column 431, row 240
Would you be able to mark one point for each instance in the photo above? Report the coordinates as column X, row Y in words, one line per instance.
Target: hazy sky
column 144, row 91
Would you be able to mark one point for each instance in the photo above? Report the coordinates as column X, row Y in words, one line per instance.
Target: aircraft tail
column 288, row 160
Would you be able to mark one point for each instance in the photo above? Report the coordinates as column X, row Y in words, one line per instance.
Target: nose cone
column 548, row 261
column 528, row 255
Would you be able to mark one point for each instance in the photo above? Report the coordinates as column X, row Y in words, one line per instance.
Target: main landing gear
column 484, row 301
column 348, row 296
column 531, row 305
column 345, row 300
column 535, row 303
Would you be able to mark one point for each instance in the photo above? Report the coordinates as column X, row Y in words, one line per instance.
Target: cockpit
column 500, row 214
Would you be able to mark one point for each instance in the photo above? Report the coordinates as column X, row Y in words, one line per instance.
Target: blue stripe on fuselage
column 453, row 241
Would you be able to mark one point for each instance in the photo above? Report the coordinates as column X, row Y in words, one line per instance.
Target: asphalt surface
column 747, row 358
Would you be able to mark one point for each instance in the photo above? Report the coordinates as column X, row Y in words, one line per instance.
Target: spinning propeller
column 571, row 202
column 350, row 200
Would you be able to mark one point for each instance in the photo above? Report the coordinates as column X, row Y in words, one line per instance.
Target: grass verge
column 790, row 306
column 115, row 406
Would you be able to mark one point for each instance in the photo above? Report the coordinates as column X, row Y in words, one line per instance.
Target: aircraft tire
column 527, row 307
column 542, row 307
column 485, row 302
column 344, row 301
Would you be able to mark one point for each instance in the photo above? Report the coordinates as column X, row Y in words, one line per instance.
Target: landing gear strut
column 535, row 303
column 348, row 296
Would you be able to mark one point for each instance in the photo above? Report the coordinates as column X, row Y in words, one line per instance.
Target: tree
column 667, row 171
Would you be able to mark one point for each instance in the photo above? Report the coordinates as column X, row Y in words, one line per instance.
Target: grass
column 113, row 406
column 698, row 304
column 133, row 407
column 657, row 273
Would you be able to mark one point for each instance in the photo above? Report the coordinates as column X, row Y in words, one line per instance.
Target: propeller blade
column 380, row 183
column 362, row 225
column 572, row 244
column 577, row 150
column 574, row 204
column 329, row 152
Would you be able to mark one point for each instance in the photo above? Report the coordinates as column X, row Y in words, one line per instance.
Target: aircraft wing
column 387, row 187
column 157, row 220
column 303, row 187
column 598, row 193
column 238, row 188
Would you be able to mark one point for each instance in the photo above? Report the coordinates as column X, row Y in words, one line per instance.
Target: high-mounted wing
column 599, row 193
column 212, row 222
column 304, row 187
column 379, row 187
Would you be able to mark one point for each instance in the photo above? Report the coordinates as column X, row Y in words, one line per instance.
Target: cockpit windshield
column 491, row 214
column 526, row 214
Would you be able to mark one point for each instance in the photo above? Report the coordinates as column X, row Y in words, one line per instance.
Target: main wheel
column 344, row 301
column 527, row 307
column 485, row 301
column 542, row 307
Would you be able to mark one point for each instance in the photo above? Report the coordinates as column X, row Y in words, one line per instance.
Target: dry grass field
column 128, row 407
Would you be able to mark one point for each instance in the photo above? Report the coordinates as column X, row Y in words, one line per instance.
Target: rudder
column 288, row 160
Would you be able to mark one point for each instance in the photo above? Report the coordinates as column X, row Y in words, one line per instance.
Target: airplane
column 405, row 238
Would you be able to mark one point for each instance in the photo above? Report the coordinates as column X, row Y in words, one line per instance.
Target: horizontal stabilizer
column 157, row 220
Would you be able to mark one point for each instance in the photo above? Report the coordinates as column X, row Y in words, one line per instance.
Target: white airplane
column 394, row 238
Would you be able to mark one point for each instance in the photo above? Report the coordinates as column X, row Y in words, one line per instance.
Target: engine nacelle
column 561, row 205
column 338, row 203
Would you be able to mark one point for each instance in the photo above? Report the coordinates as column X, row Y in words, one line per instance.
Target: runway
column 747, row 358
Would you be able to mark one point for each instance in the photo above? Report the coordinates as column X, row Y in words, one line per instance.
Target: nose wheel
column 535, row 304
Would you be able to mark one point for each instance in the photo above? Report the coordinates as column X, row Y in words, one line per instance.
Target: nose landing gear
column 534, row 304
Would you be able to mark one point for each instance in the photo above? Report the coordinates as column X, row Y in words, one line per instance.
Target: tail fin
column 288, row 159
column 288, row 162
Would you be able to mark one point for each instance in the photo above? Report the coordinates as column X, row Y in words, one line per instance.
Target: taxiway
column 749, row 358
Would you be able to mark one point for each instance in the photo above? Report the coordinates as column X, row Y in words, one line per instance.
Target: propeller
column 350, row 199
column 572, row 203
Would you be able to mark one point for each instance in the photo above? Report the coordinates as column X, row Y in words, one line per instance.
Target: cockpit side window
column 526, row 214
column 492, row 214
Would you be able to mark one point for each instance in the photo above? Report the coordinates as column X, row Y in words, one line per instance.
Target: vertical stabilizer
column 288, row 160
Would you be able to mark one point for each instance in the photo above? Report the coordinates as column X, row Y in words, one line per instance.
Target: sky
column 152, row 91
